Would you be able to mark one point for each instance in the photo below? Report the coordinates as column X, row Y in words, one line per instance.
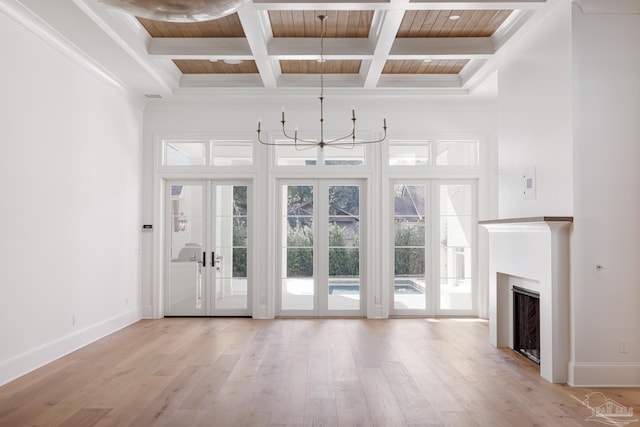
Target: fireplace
column 526, row 323
column 540, row 265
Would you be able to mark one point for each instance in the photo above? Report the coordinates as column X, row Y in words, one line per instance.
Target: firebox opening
column 526, row 323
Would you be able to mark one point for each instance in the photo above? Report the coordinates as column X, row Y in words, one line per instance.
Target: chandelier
column 178, row 10
column 346, row 141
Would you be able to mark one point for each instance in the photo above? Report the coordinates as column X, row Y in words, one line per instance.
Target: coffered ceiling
column 386, row 46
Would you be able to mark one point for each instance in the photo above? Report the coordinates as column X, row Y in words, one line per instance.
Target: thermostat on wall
column 529, row 182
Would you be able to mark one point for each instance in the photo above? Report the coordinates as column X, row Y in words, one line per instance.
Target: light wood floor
column 312, row 372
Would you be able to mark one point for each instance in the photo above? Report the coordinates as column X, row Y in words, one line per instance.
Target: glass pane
column 409, row 153
column 344, row 200
column 409, row 242
column 409, row 262
column 232, row 153
column 344, row 248
column 456, row 231
column 455, row 294
column 457, row 153
column 409, row 293
column 240, row 231
column 230, row 262
column 292, row 156
column 344, row 262
column 456, row 200
column 185, row 270
column 297, row 252
column 299, row 262
column 297, row 294
column 409, row 232
column 409, row 200
column 346, row 155
column 456, row 234
column 299, row 200
column 231, row 293
column 185, row 153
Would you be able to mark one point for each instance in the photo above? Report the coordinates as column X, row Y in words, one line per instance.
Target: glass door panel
column 207, row 256
column 343, row 290
column 456, row 237
column 410, row 250
column 297, row 250
column 230, row 250
column 184, row 293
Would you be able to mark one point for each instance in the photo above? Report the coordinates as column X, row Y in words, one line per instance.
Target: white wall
column 534, row 110
column 568, row 105
column 70, row 173
column 408, row 117
column 606, row 123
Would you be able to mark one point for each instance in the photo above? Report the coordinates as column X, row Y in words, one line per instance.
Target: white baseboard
column 23, row 363
column 604, row 375
column 147, row 312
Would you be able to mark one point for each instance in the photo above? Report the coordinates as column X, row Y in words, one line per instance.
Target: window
column 232, row 153
column 185, row 153
column 454, row 152
column 457, row 153
column 311, row 155
column 409, row 153
column 207, row 152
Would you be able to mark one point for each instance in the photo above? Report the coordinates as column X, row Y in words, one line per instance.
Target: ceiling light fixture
column 178, row 10
column 454, row 17
column 305, row 144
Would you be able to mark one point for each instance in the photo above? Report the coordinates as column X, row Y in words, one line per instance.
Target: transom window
column 209, row 152
column 287, row 155
column 458, row 152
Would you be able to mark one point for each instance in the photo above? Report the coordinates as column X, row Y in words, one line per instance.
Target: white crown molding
column 15, row 10
column 609, row 6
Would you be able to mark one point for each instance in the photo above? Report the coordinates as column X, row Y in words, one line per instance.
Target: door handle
column 215, row 261
column 204, row 259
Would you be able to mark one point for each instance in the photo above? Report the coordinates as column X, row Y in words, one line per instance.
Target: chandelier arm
column 264, row 142
column 331, row 141
column 337, row 143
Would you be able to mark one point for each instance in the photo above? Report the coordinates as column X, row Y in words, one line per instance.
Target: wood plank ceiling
column 413, row 47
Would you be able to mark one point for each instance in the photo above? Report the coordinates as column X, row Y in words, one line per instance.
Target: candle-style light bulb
column 283, row 113
column 259, row 121
column 353, row 112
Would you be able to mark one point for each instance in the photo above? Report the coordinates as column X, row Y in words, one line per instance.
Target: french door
column 320, row 257
column 206, row 256
column 433, row 247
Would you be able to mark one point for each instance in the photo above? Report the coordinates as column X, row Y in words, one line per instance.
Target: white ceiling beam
column 383, row 35
column 194, row 48
column 305, row 46
column 421, row 81
column 220, row 80
column 386, row 5
column 258, row 36
column 312, row 80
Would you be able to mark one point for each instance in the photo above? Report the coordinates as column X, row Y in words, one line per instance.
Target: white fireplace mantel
column 532, row 253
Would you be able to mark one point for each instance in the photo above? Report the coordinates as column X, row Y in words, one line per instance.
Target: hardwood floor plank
column 85, row 417
column 291, row 372
column 320, row 412
column 351, row 404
